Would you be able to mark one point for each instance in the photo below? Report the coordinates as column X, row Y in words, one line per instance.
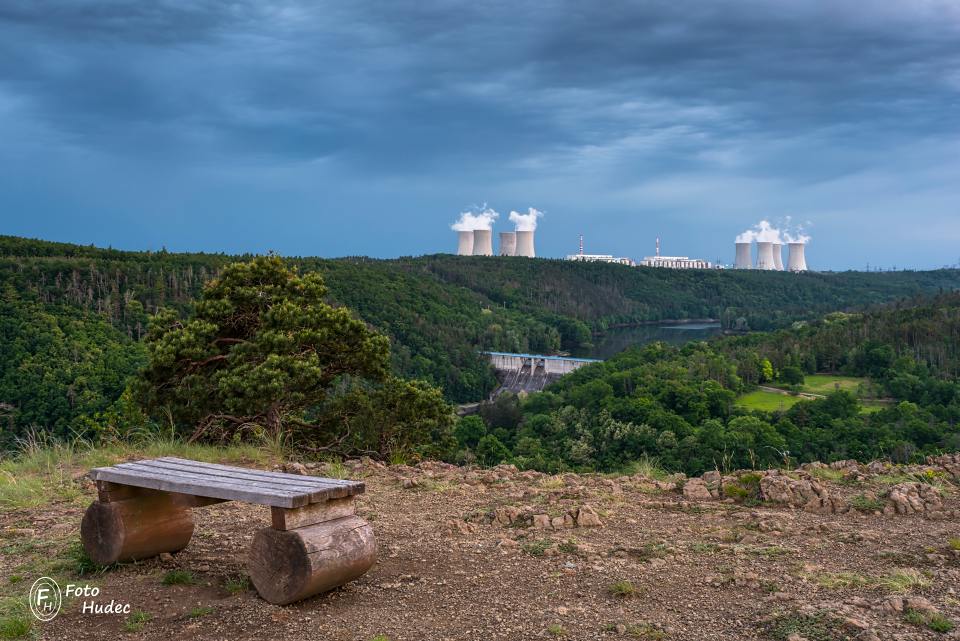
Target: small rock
column 166, row 557
column 295, row 468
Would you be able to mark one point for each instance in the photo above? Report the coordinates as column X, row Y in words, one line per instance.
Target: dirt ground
column 460, row 558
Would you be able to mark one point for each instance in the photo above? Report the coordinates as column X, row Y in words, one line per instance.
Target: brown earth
column 461, row 558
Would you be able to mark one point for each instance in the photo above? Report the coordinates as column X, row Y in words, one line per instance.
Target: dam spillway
column 532, row 372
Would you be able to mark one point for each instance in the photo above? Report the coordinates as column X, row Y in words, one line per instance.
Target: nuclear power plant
column 743, row 260
column 465, row 243
column 475, row 233
column 770, row 241
column 796, row 259
column 508, row 243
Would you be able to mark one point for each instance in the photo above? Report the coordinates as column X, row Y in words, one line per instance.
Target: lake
column 617, row 340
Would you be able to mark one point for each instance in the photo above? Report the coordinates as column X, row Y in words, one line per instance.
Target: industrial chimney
column 464, row 243
column 765, row 255
column 778, row 256
column 482, row 242
column 742, row 260
column 796, row 260
column 525, row 244
column 508, row 243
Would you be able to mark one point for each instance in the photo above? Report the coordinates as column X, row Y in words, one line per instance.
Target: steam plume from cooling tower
column 481, row 218
column 526, row 222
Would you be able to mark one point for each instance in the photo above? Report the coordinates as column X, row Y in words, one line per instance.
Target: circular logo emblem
column 45, row 599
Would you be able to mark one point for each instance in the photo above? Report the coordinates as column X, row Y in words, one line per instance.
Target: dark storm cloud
column 649, row 100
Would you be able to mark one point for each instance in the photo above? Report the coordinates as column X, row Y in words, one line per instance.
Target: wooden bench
column 316, row 542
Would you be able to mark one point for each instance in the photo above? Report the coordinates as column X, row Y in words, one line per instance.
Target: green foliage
column 814, row 627
column 537, row 548
column 864, row 504
column 136, row 621
column 200, row 611
column 932, row 620
column 178, row 577
column 394, row 419
column 792, row 375
column 261, row 348
column 236, row 585
column 490, row 451
column 622, row 589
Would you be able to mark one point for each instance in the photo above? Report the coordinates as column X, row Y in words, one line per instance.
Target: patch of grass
column 178, row 577
column 235, row 585
column 813, row 627
column 746, row 488
column 136, row 621
column 842, row 580
column 903, row 580
column 200, row 611
column 14, row 627
column 954, row 544
column 862, row 503
column 43, row 469
column 622, row 589
column 933, row 621
column 826, row 474
column 648, row 466
column 767, row 401
column 898, row 581
column 568, row 547
column 556, row 630
column 380, row 637
column 14, row 579
column 537, row 548
column 16, row 622
column 827, row 383
column 703, row 548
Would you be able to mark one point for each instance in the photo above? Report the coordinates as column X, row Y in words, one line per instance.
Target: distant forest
column 679, row 405
column 72, row 317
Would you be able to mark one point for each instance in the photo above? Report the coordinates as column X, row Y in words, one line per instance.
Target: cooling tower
column 796, row 260
column 464, row 243
column 743, row 257
column 765, row 256
column 482, row 242
column 508, row 243
column 778, row 257
column 525, row 244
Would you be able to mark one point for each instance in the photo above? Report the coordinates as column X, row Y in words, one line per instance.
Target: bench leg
column 287, row 566
column 135, row 528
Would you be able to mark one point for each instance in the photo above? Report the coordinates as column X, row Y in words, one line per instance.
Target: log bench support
column 310, row 550
column 316, row 542
column 130, row 523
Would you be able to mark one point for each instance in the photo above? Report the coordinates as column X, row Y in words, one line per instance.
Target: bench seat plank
column 297, row 482
column 262, row 473
column 227, row 483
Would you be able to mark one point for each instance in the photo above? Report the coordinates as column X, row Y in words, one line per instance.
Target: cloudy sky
column 365, row 127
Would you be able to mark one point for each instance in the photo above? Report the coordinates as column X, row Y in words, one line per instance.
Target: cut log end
column 133, row 529
column 287, row 566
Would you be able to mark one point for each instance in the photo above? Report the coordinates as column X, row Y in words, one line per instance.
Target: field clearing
column 827, row 383
column 768, row 401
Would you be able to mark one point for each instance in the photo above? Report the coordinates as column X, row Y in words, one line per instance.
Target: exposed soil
column 450, row 569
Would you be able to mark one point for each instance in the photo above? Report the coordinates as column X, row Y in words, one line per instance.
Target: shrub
column 178, row 577
column 622, row 589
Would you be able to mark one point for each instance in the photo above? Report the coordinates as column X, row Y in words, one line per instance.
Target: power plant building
column 796, row 258
column 525, row 244
column 508, row 243
column 465, row 243
column 765, row 256
column 674, row 262
column 483, row 242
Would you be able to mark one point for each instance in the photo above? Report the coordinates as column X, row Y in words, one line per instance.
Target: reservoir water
column 619, row 339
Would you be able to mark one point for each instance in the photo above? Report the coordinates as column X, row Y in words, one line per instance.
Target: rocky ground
column 825, row 552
